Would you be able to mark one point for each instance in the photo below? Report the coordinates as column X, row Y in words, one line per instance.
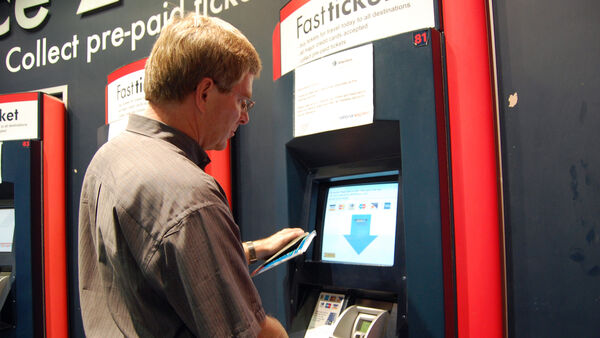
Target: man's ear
column 202, row 92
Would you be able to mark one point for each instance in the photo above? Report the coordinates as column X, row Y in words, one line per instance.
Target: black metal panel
column 373, row 141
column 548, row 54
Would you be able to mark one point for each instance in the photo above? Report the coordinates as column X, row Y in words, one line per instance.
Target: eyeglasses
column 247, row 104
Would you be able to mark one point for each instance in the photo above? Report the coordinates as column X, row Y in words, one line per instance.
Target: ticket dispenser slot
column 361, row 322
column 341, row 314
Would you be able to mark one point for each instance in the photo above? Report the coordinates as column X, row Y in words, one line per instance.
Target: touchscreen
column 7, row 229
column 359, row 224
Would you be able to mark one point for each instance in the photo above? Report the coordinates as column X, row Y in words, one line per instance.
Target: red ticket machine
column 32, row 231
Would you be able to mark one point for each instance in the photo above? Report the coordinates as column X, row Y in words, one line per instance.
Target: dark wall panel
column 548, row 57
column 261, row 203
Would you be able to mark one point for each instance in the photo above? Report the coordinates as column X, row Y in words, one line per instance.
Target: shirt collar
column 155, row 129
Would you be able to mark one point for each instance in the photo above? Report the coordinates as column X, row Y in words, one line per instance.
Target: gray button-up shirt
column 159, row 252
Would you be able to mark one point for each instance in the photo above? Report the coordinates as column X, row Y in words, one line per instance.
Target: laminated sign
column 125, row 96
column 19, row 117
column 312, row 29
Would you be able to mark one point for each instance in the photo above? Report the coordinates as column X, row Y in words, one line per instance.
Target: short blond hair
column 192, row 48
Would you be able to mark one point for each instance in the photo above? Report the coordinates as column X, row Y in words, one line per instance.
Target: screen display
column 7, row 229
column 363, row 326
column 359, row 224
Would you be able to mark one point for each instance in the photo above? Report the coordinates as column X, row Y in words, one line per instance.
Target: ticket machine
column 378, row 197
column 353, row 282
column 33, row 269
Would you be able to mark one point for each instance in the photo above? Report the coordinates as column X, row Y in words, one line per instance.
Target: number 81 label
column 421, row 38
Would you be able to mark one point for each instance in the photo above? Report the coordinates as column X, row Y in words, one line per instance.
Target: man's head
column 196, row 47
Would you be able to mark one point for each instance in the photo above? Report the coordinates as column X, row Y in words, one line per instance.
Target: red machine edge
column 55, row 247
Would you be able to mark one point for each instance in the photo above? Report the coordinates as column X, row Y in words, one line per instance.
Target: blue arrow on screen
column 359, row 237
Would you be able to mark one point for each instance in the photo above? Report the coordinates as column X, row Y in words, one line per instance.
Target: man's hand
column 268, row 246
column 271, row 328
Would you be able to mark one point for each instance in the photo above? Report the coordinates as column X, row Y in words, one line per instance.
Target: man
column 159, row 252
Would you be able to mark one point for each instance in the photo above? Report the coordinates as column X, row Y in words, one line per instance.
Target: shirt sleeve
column 201, row 267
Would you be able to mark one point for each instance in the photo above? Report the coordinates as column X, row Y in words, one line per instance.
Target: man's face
column 226, row 113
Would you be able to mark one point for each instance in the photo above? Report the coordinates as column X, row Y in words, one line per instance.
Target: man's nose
column 244, row 117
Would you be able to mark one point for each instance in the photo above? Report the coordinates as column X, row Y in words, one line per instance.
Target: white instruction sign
column 321, row 27
column 334, row 92
column 19, row 117
column 125, row 96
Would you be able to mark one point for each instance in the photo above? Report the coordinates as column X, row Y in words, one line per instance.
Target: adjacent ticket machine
column 378, row 197
column 33, row 271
